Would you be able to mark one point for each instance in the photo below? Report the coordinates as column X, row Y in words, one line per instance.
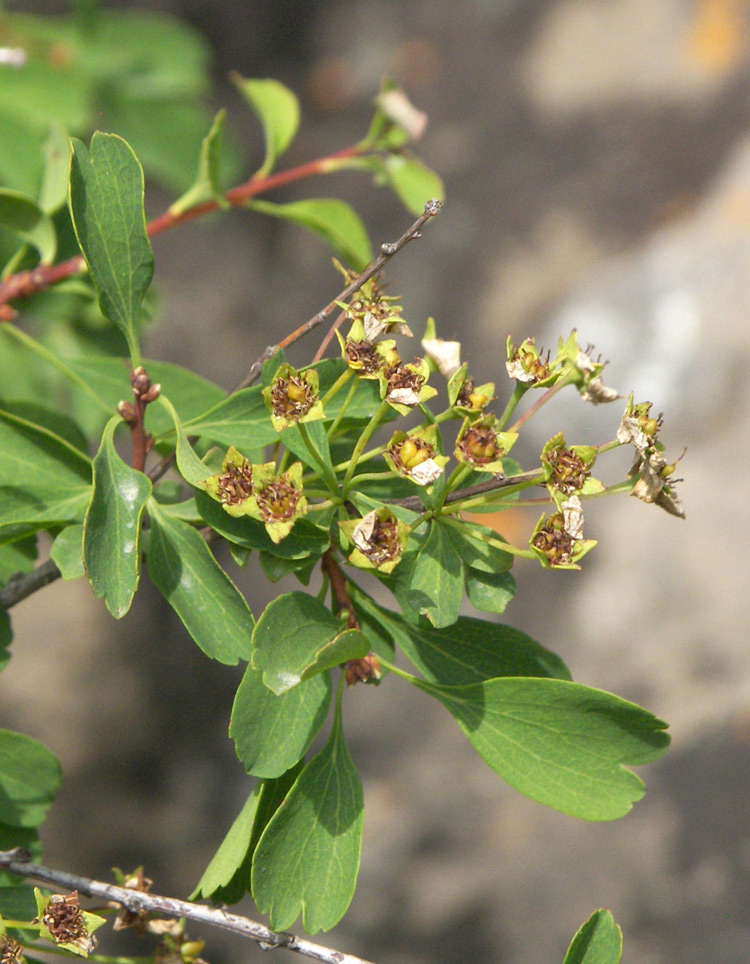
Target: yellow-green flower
column 293, row 397
column 481, row 447
column 379, row 539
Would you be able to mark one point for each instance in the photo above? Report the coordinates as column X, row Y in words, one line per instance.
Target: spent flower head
column 405, row 386
column 277, row 499
column 466, row 398
column 480, row 446
column 557, row 540
column 584, row 372
column 443, row 356
column 567, row 469
column 62, row 921
column 529, row 366
column 293, row 397
column 379, row 539
column 233, row 486
column 416, row 456
column 368, row 359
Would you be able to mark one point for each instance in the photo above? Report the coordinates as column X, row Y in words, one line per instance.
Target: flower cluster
column 654, row 483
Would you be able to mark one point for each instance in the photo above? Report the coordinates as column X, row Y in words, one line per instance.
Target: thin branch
column 387, row 251
column 23, row 284
column 137, row 901
column 414, row 502
column 26, row 584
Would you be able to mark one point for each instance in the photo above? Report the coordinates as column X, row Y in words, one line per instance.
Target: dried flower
column 480, row 446
column 416, row 456
column 11, row 951
column 445, row 356
column 558, row 539
column 277, row 500
column 367, row 358
column 233, row 486
column 529, row 366
column 62, row 921
column 379, row 539
column 465, row 397
column 584, row 372
column 293, row 397
column 567, row 469
column 405, row 386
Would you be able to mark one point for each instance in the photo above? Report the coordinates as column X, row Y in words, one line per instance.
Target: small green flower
column 481, row 447
column 405, row 386
column 416, row 456
column 557, row 540
column 464, row 397
column 567, row 469
column 233, row 486
column 528, row 366
column 277, row 500
column 293, row 397
column 368, row 359
column 379, row 540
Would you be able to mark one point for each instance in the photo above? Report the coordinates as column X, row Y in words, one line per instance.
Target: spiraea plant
column 359, row 472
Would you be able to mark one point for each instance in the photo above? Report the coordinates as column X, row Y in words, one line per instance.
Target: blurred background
column 596, row 160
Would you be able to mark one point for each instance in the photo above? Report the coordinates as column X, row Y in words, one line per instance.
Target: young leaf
column 469, row 651
column 277, row 109
column 21, row 215
column 211, row 607
column 297, row 637
column 562, row 744
column 412, row 181
column 271, row 733
column 227, row 877
column 43, row 479
column 112, row 527
column 106, row 205
column 206, row 186
column 488, row 591
column 29, row 778
column 307, row 859
column 436, row 587
column 598, row 941
column 192, row 469
column 333, row 220
column 67, row 552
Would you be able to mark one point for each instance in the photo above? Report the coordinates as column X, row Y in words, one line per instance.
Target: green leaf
column 112, row 528
column 43, row 479
column 292, row 439
column 67, row 552
column 477, row 546
column 210, row 606
column 53, row 192
column 106, row 204
column 50, row 418
column 109, row 378
column 206, row 186
column 17, row 902
column 192, row 469
column 488, row 591
column 6, row 637
column 297, row 637
column 562, row 744
column 333, row 220
column 469, row 651
column 241, row 420
column 227, row 877
column 17, row 556
column 436, row 587
column 412, row 181
column 598, row 941
column 271, row 733
column 304, row 540
column 22, row 215
column 307, row 859
column 277, row 109
column 29, row 778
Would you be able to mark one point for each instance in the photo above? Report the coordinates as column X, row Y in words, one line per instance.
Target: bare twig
column 24, row 585
column 387, row 251
column 414, row 502
column 137, row 901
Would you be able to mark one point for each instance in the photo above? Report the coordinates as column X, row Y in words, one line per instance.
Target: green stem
column 518, row 392
column 321, row 506
column 33, row 345
column 374, row 476
column 392, row 668
column 365, row 457
column 485, row 499
column 347, row 401
column 326, row 474
column 364, row 438
column 337, row 386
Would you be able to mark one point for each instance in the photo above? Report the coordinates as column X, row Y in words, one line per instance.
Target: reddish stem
column 26, row 283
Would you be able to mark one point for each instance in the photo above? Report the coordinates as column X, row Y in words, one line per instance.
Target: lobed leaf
column 271, row 733
column 436, row 586
column 597, row 941
column 560, row 743
column 297, row 637
column 210, row 606
column 307, row 858
column 106, row 205
column 112, row 527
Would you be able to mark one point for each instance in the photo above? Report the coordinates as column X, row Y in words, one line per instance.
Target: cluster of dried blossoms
column 378, row 540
